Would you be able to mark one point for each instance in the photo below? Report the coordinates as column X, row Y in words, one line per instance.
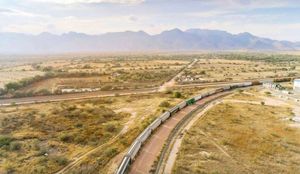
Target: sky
column 276, row 19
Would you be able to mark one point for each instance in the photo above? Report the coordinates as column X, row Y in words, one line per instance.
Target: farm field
column 44, row 141
column 243, row 134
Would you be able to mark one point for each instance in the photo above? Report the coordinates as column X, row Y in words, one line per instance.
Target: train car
column 198, row 97
column 255, row 83
column 144, row 135
column 241, row 85
column 205, row 94
column 219, row 90
column 165, row 116
column 124, row 165
column 134, row 149
column 212, row 92
column 247, row 84
column 174, row 109
column 191, row 101
column 226, row 88
column 182, row 105
column 155, row 124
column 234, row 86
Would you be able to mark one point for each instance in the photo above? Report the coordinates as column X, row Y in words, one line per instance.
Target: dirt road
column 74, row 96
column 177, row 140
column 172, row 82
column 88, row 95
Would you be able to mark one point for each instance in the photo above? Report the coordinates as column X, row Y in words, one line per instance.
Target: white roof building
column 297, row 84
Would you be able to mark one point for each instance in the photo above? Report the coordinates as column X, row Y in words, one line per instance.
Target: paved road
column 151, row 150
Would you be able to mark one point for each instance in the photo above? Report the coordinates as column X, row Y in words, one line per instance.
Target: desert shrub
column 78, row 125
column 5, row 140
column 43, row 92
column 169, row 92
column 268, row 93
column 47, row 68
column 39, row 169
column 14, row 146
column 66, row 138
column 111, row 152
column 60, row 160
column 8, row 167
column 164, row 104
column 177, row 94
column 202, row 72
column 71, row 108
column 106, row 87
column 107, row 113
column 87, row 66
column 110, row 127
column 42, row 152
column 12, row 86
column 240, row 90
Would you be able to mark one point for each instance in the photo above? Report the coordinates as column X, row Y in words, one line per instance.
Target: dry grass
column 108, row 74
column 35, row 140
column 246, row 95
column 13, row 76
column 210, row 70
column 258, row 139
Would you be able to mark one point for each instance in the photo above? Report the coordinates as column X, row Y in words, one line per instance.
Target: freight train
column 137, row 144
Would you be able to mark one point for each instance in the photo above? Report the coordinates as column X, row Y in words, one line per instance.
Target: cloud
column 66, row 2
column 207, row 14
column 19, row 13
column 3, row 10
column 277, row 19
column 252, row 4
column 133, row 18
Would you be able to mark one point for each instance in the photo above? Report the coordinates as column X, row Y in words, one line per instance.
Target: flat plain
column 243, row 134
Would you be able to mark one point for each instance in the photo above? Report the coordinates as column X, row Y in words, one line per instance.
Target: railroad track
column 159, row 169
column 141, row 151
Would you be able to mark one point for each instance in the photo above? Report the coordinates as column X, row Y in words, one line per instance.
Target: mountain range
column 171, row 40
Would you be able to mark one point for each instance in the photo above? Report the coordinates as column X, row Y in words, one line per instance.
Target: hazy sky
column 278, row 19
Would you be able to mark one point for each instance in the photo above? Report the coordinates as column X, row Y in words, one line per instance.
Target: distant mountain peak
column 246, row 34
column 45, row 34
column 174, row 30
column 170, row 40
